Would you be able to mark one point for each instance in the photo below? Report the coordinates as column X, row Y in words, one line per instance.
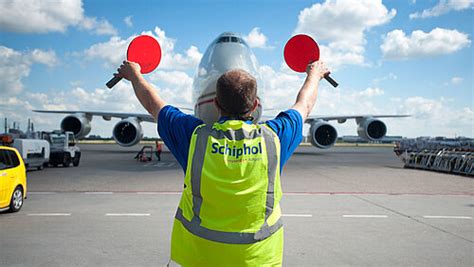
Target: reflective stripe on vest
column 194, row 226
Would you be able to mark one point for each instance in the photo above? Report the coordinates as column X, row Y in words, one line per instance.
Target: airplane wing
column 105, row 115
column 342, row 119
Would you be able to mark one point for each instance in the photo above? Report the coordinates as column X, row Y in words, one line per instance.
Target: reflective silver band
column 194, row 226
column 271, row 169
column 196, row 171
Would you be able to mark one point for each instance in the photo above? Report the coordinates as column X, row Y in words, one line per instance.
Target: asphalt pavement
column 344, row 206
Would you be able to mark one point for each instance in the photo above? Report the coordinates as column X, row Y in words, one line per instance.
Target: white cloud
column 99, row 27
column 171, row 60
column 174, row 86
column 342, row 24
column 371, row 92
column 25, row 16
column 16, row 65
column 443, row 7
column 397, row 45
column 435, row 117
column 113, row 52
column 128, row 21
column 39, row 16
column 454, row 81
column 47, row 58
column 390, row 76
column 335, row 55
column 279, row 88
column 13, row 68
column 256, row 39
column 173, row 78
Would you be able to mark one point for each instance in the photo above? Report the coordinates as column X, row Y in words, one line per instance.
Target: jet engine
column 322, row 134
column 128, row 132
column 371, row 129
column 78, row 123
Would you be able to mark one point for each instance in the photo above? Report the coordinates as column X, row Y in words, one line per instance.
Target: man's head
column 236, row 93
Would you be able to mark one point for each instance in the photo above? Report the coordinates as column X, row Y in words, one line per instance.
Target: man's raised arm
column 307, row 95
column 144, row 91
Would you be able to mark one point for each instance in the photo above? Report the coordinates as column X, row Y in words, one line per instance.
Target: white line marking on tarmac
column 447, row 217
column 98, row 193
column 128, row 214
column 48, row 214
column 297, row 215
column 159, row 193
column 363, row 216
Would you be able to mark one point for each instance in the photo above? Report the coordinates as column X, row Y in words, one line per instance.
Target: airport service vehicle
column 64, row 150
column 451, row 155
column 228, row 51
column 12, row 179
column 35, row 152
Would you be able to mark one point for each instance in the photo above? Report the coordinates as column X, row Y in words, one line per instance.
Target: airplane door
column 4, row 178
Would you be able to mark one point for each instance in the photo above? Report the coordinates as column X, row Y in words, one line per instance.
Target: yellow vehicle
column 12, row 179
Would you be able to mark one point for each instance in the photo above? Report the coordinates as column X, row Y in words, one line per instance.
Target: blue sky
column 390, row 57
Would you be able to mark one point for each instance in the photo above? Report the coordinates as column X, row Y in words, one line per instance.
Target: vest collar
column 225, row 118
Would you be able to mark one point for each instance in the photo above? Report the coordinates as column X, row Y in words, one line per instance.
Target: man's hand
column 317, row 69
column 129, row 70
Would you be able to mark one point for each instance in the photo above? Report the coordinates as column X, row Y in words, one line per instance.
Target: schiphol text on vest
column 236, row 152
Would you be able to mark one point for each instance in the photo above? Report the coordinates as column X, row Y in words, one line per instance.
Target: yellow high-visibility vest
column 229, row 213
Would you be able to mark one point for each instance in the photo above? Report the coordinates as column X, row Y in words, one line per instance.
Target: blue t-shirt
column 176, row 129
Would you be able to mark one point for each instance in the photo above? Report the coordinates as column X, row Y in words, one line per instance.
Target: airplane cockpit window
column 224, row 39
column 231, row 39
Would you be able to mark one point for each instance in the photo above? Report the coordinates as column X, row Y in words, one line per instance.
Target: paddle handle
column 330, row 80
column 113, row 81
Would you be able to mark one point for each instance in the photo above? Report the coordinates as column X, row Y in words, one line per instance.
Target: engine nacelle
column 127, row 132
column 322, row 134
column 371, row 129
column 78, row 123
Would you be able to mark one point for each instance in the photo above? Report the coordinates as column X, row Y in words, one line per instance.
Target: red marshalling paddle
column 144, row 50
column 301, row 50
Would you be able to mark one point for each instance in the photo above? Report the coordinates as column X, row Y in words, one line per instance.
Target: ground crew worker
column 158, row 150
column 229, row 213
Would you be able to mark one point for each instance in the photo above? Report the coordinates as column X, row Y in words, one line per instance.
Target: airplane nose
column 235, row 58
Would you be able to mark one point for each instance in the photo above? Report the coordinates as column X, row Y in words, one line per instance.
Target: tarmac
column 344, row 206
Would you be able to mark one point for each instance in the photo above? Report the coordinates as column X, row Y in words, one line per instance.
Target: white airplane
column 228, row 51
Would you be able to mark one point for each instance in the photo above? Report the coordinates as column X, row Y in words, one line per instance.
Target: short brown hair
column 236, row 91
